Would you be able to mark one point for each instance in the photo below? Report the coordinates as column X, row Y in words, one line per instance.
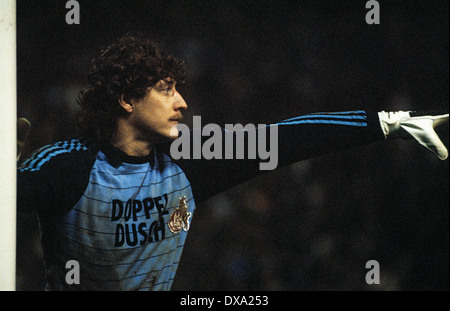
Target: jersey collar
column 116, row 156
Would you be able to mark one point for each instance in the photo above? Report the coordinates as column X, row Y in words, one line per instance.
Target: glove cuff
column 390, row 122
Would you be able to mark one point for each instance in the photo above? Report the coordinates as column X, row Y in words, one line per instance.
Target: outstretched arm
column 295, row 139
column 306, row 137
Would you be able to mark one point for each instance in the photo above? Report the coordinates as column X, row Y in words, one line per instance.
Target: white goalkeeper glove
column 420, row 126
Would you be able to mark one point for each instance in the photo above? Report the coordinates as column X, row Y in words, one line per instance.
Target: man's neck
column 134, row 148
column 125, row 140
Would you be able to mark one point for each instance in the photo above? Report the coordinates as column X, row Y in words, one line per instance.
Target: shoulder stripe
column 46, row 153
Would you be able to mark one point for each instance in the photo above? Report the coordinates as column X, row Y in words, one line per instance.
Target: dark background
column 309, row 226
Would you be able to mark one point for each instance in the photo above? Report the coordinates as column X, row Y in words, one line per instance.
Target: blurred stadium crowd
column 309, row 226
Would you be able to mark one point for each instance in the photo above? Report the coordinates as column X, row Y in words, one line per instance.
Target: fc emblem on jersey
column 179, row 220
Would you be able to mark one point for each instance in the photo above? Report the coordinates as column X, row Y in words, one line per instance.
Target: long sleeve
column 297, row 139
column 53, row 178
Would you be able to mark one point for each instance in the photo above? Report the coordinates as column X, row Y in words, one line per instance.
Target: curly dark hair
column 125, row 69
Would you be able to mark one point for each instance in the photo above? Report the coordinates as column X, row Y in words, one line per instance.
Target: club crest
column 179, row 220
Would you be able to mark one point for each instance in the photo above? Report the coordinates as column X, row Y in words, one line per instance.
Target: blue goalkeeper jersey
column 116, row 215
column 116, row 230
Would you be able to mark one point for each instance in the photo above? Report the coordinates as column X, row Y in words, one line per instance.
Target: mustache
column 177, row 117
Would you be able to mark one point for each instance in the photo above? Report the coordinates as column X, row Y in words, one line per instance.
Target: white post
column 8, row 128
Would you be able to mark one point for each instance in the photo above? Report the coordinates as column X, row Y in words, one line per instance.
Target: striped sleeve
column 46, row 153
column 299, row 138
column 346, row 118
column 50, row 172
column 318, row 134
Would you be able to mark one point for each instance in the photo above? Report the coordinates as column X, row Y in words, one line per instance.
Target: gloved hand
column 23, row 130
column 418, row 125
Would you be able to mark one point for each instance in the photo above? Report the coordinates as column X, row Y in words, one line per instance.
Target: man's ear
column 127, row 105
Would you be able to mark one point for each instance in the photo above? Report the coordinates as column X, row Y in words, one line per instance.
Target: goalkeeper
column 114, row 199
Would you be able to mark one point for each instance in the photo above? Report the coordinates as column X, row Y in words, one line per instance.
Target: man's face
column 159, row 111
